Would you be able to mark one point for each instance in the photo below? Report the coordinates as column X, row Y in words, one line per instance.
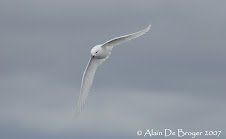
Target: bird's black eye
column 96, row 52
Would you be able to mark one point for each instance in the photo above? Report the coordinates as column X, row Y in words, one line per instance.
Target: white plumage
column 99, row 54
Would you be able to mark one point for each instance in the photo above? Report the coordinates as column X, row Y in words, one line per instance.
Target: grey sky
column 172, row 77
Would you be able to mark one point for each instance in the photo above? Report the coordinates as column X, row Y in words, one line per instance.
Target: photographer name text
column 178, row 133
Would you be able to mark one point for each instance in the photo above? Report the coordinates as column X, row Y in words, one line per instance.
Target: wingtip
column 149, row 26
column 77, row 112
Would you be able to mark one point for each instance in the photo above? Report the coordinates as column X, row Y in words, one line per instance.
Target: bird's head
column 96, row 51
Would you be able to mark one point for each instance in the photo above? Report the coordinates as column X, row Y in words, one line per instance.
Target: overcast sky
column 172, row 77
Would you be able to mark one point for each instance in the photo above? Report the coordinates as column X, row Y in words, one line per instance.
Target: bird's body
column 99, row 54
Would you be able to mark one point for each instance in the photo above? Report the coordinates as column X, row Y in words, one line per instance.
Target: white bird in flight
column 99, row 54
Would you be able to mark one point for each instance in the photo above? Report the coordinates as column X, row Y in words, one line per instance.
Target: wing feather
column 118, row 40
column 87, row 81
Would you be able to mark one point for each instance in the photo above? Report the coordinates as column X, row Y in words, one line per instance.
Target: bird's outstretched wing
column 91, row 68
column 118, row 40
column 87, row 81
